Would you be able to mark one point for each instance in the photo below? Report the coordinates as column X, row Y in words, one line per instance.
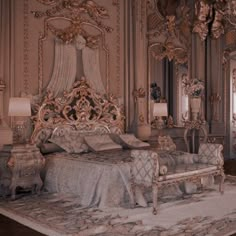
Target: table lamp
column 19, row 107
column 159, row 111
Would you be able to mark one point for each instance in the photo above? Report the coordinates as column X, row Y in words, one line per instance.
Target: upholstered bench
column 159, row 169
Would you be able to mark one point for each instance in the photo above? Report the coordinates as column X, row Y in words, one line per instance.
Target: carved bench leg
column 222, row 179
column 201, row 184
column 132, row 195
column 155, row 196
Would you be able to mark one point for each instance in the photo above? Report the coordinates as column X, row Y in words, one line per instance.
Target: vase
column 195, row 105
column 144, row 132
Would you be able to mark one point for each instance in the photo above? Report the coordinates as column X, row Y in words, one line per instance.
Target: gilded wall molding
column 118, row 42
column 169, row 31
column 143, row 15
column 213, row 18
column 26, row 47
column 48, row 2
column 168, row 49
column 215, row 99
column 139, row 93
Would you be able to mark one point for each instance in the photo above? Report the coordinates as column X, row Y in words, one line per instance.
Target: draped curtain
column 64, row 70
column 65, row 66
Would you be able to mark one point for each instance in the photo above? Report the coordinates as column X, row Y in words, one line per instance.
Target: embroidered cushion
column 43, row 136
column 129, row 141
column 70, row 140
column 101, row 143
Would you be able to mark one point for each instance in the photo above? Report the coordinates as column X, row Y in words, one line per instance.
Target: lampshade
column 160, row 109
column 19, row 107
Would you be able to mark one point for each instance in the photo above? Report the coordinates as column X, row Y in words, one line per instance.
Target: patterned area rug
column 206, row 213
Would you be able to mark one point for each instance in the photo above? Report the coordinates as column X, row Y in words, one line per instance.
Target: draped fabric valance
column 65, row 66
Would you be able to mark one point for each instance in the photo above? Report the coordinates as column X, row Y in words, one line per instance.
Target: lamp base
column 158, row 123
column 19, row 134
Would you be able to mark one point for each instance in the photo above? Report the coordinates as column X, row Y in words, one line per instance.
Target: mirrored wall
column 167, row 81
column 169, row 43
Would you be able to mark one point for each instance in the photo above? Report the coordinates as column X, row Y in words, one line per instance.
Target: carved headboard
column 82, row 109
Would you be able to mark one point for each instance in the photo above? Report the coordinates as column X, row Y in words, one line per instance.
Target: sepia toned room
column 117, row 117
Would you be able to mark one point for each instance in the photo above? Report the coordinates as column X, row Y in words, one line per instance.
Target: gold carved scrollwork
column 170, row 51
column 139, row 93
column 141, row 118
column 81, row 108
column 80, row 15
column 73, row 11
column 169, row 30
column 69, row 34
column 214, row 17
column 230, row 15
column 76, row 7
column 48, row 2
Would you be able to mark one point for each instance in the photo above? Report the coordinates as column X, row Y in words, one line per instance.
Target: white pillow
column 70, row 140
column 43, row 136
column 129, row 141
column 101, row 143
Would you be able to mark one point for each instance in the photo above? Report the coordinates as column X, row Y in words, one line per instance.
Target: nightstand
column 25, row 163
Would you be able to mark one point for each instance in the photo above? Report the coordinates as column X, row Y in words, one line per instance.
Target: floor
column 9, row 227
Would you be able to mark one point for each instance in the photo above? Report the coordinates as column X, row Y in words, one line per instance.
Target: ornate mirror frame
column 229, row 63
column 169, row 38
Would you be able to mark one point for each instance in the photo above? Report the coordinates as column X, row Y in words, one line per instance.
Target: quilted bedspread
column 98, row 179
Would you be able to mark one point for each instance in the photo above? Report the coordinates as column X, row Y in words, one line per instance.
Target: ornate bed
column 88, row 154
column 90, row 127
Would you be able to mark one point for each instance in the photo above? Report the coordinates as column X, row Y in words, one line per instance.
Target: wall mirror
column 230, row 77
column 169, row 44
column 166, row 79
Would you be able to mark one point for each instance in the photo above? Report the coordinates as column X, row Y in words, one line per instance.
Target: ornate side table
column 191, row 126
column 25, row 164
column 5, row 173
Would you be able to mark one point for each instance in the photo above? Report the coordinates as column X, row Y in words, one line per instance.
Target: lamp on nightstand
column 159, row 111
column 19, row 107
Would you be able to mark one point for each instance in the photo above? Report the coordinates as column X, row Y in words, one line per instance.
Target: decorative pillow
column 47, row 148
column 101, row 143
column 129, row 141
column 43, row 136
column 70, row 140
